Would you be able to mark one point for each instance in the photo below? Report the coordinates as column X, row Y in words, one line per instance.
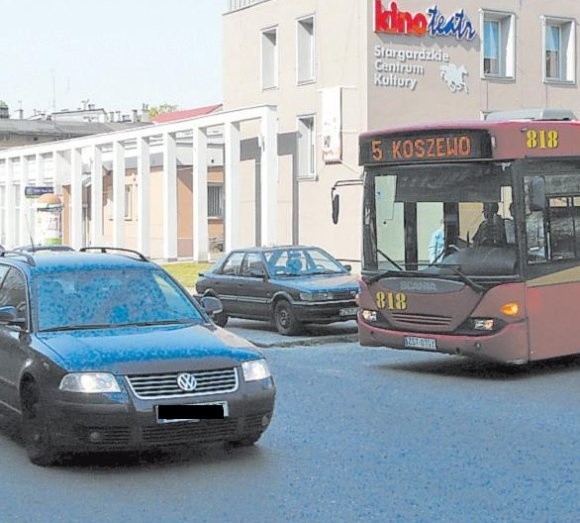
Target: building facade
column 336, row 69
column 302, row 80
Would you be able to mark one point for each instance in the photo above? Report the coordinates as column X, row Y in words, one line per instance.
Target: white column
column 39, row 169
column 269, row 177
column 9, row 205
column 232, row 185
column 118, row 194
column 96, row 196
column 200, row 224
column 169, row 197
column 58, row 171
column 143, row 196
column 76, row 199
column 25, row 234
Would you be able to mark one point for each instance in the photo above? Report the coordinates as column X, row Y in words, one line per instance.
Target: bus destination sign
column 426, row 146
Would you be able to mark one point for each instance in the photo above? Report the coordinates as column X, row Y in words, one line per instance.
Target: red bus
column 471, row 238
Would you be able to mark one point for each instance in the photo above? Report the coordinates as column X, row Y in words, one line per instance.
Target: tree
column 162, row 108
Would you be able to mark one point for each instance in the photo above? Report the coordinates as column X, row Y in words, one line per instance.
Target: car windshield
column 98, row 298
column 297, row 261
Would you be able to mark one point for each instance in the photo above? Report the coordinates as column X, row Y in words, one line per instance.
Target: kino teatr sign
column 403, row 68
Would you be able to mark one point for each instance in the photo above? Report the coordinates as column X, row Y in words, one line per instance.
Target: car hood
column 320, row 282
column 151, row 349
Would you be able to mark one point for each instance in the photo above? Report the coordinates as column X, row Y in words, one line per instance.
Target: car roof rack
column 44, row 248
column 532, row 114
column 106, row 250
column 29, row 259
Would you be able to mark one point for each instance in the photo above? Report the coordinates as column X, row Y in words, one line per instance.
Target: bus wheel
column 285, row 319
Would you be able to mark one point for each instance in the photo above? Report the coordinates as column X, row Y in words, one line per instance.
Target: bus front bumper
column 509, row 345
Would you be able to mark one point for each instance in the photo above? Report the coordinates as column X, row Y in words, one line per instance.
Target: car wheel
column 220, row 319
column 285, row 319
column 35, row 429
column 246, row 442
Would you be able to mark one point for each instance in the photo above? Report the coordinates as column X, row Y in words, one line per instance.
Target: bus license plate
column 411, row 342
column 348, row 311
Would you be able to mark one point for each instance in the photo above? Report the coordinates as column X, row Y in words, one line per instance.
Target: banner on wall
column 331, row 125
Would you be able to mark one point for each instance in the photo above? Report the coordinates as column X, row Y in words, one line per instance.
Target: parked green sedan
column 289, row 286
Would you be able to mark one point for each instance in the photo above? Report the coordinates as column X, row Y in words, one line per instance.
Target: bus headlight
column 369, row 316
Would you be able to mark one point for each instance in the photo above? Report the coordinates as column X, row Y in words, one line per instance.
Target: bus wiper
column 386, row 274
column 462, row 276
column 389, row 259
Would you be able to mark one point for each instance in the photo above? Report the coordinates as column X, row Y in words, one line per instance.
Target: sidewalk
column 264, row 335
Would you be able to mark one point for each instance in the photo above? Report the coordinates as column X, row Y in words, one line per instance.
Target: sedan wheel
column 35, row 430
column 285, row 319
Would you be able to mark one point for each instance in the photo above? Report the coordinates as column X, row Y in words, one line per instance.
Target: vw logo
column 186, row 381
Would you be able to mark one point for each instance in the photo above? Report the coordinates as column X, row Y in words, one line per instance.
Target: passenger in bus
column 437, row 243
column 491, row 232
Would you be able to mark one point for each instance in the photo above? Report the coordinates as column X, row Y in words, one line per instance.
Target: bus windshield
column 440, row 219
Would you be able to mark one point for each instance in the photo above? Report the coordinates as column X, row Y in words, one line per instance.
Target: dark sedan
column 289, row 286
column 105, row 351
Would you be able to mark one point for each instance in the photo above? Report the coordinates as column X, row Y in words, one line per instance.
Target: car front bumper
column 324, row 311
column 84, row 426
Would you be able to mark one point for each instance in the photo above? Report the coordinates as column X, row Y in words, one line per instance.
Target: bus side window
column 535, row 234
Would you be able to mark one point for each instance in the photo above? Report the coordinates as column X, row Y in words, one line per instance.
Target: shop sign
column 433, row 22
column 34, row 191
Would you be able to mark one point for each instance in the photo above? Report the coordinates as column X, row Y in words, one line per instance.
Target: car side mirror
column 335, row 208
column 537, row 193
column 9, row 316
column 348, row 267
column 211, row 305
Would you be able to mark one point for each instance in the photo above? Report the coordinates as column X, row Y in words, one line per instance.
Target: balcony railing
column 236, row 5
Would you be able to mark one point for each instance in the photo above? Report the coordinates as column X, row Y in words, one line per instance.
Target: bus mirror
column 335, row 208
column 537, row 193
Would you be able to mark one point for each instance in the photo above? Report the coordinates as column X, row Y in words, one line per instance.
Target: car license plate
column 348, row 311
column 411, row 342
column 191, row 412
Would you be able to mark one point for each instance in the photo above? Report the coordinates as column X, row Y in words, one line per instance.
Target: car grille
column 426, row 320
column 201, row 431
column 344, row 295
column 157, row 386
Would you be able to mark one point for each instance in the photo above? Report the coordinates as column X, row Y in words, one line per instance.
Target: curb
column 322, row 340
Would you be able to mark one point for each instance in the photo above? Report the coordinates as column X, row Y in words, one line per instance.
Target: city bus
column 471, row 238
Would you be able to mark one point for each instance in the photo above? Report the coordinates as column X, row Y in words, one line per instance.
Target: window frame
column 300, row 26
column 567, row 50
column 275, row 59
column 308, row 173
column 506, row 44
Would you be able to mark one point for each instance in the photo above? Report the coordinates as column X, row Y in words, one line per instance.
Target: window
column 306, row 147
column 498, row 56
column 215, row 201
column 13, row 292
column 233, row 264
column 559, row 39
column 305, row 49
column 270, row 58
column 252, row 265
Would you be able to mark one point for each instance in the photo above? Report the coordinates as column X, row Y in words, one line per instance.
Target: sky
column 117, row 54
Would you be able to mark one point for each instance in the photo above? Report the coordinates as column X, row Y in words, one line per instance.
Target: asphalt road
column 358, row 435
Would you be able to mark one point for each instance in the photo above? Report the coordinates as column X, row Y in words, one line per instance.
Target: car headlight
column 91, row 382
column 255, row 370
column 316, row 296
